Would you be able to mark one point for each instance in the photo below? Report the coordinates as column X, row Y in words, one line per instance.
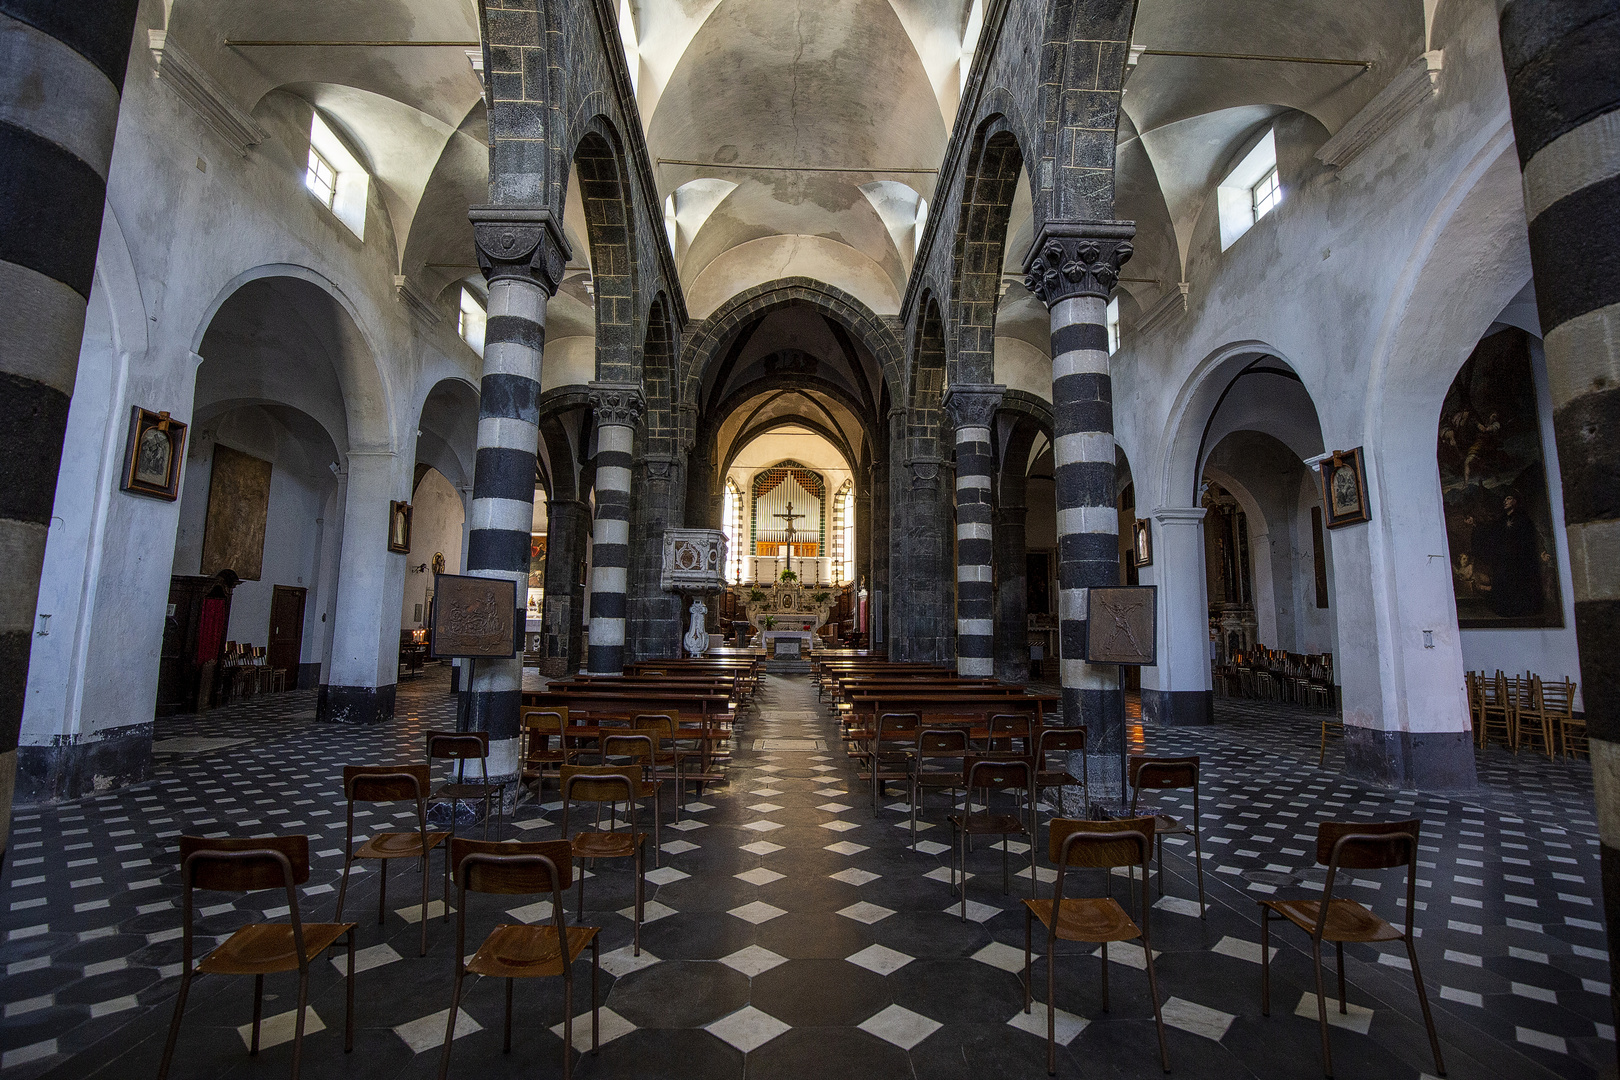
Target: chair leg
column 1029, row 931
column 1198, row 865
column 641, row 893
column 382, row 890
column 1104, row 955
column 174, row 1026
column 568, row 1026
column 348, row 1016
column 298, row 1022
column 658, row 836
column 258, row 1012
column 450, row 1024
column 1428, row 1017
column 1344, row 1004
column 580, row 914
column 1051, row 1001
column 1158, row 1018
column 425, row 901
column 1265, row 961
column 343, row 886
column 1321, row 1009
column 596, row 996
column 506, row 1046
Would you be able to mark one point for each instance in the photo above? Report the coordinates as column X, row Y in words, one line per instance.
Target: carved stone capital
column 973, row 404
column 1077, row 258
column 520, row 242
column 617, row 403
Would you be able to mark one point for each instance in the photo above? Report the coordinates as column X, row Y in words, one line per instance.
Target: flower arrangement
column 788, row 577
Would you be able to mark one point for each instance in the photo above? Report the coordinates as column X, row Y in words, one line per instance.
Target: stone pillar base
column 355, row 704
column 1178, row 708
column 1427, row 760
column 112, row 759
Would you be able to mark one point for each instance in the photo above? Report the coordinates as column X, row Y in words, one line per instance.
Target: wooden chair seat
column 517, row 952
column 398, row 845
column 267, row 948
column 982, row 824
column 1046, row 778
column 1165, row 824
column 473, row 790
column 1346, row 921
column 1095, row 919
column 590, row 844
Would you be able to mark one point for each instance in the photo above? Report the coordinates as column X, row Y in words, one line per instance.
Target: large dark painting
column 1494, row 482
column 238, row 508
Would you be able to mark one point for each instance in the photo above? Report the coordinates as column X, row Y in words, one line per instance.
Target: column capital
column 1179, row 515
column 617, row 403
column 973, row 404
column 524, row 243
column 1077, row 258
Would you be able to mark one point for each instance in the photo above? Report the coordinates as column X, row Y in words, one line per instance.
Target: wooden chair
column 889, row 753
column 1169, row 774
column 391, row 783
column 540, row 727
column 1497, row 714
column 669, row 759
column 514, row 952
column 640, row 747
column 1064, row 741
column 1534, row 719
column 936, row 744
column 604, row 785
column 462, row 747
column 1350, row 845
column 243, row 864
column 1097, row 845
column 1558, row 699
column 994, row 773
column 1332, row 726
column 1473, row 686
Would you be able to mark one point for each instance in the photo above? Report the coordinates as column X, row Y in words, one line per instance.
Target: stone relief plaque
column 1121, row 625
column 475, row 617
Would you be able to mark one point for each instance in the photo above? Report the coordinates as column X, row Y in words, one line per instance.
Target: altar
column 786, row 643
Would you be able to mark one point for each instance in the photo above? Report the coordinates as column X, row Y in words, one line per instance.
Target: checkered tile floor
column 793, row 931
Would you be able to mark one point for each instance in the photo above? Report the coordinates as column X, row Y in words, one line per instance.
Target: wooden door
column 287, row 630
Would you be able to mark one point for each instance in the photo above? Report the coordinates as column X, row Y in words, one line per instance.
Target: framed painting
column 238, row 510
column 475, row 617
column 1493, row 480
column 153, row 454
column 399, row 526
column 1344, row 489
column 1142, row 539
column 1122, row 625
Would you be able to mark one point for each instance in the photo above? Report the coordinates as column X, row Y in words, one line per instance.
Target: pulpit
column 694, row 565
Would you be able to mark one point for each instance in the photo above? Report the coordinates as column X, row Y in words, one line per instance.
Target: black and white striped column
column 973, row 409
column 1072, row 268
column 61, row 74
column 1562, row 61
column 618, row 408
column 522, row 253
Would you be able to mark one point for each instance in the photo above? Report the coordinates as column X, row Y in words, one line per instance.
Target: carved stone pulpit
column 695, row 565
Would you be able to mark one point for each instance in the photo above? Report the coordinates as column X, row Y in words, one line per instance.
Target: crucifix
column 790, row 517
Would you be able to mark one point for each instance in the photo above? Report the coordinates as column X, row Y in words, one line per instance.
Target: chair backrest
column 897, row 727
column 385, row 783
column 1100, row 845
column 598, row 784
column 1367, row 845
column 1162, row 772
column 458, row 745
column 942, row 742
column 243, row 863
column 550, row 720
column 495, row 866
column 1055, row 739
column 664, row 724
column 997, row 773
column 638, row 744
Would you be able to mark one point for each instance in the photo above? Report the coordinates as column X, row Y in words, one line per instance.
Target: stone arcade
column 889, row 329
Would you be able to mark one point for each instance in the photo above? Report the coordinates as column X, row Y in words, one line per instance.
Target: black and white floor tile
column 793, row 931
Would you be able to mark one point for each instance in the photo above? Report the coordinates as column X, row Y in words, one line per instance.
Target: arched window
column 731, row 525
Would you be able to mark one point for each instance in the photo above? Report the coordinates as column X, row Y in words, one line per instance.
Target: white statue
column 697, row 638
